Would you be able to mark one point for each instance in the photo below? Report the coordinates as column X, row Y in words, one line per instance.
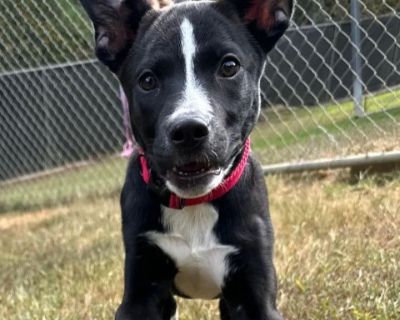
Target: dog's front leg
column 147, row 294
column 250, row 291
column 148, row 271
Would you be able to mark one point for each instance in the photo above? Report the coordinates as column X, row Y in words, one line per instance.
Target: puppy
column 195, row 216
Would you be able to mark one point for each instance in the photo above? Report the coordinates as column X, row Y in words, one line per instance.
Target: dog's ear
column 116, row 23
column 267, row 20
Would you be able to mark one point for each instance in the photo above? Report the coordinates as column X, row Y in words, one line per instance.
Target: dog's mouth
column 195, row 169
column 194, row 178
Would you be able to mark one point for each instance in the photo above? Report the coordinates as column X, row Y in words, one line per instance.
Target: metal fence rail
column 331, row 89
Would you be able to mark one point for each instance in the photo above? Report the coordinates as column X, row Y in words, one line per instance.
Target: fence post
column 357, row 63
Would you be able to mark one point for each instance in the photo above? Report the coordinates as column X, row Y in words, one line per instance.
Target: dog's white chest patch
column 189, row 240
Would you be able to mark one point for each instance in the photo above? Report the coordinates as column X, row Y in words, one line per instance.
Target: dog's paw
column 128, row 312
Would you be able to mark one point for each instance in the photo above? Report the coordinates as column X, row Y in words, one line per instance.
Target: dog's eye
column 229, row 67
column 147, row 81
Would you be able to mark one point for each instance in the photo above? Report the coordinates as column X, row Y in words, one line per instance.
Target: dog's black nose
column 188, row 133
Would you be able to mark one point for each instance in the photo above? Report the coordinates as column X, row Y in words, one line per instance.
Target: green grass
column 99, row 179
column 336, row 255
column 45, row 32
column 329, row 128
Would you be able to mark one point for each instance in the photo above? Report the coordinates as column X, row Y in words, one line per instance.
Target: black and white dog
column 194, row 206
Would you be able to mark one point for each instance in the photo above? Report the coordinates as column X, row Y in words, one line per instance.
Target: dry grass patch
column 27, row 220
column 337, row 255
column 337, row 249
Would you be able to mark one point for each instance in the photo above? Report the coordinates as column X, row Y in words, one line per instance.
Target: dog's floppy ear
column 267, row 20
column 115, row 23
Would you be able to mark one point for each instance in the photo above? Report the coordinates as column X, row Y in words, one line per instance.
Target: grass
column 337, row 242
column 324, row 131
column 99, row 179
column 47, row 33
column 337, row 254
column 337, row 249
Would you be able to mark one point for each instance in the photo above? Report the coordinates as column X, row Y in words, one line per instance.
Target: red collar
column 229, row 182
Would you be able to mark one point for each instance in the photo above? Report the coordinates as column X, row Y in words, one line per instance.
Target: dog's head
column 191, row 71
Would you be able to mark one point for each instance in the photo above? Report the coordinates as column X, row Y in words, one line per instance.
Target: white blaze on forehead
column 194, row 101
column 189, row 51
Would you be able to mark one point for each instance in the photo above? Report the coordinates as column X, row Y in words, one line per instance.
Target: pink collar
column 229, row 182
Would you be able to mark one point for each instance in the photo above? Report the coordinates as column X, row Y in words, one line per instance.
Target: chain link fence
column 331, row 89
